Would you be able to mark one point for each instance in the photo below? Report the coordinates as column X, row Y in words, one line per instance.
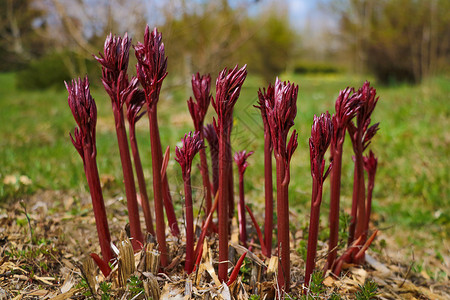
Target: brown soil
column 47, row 263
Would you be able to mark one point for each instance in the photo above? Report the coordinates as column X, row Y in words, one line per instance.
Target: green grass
column 412, row 183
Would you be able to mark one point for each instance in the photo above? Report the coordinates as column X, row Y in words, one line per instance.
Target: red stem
column 157, row 185
column 241, row 212
column 189, row 264
column 229, row 158
column 215, row 168
column 128, row 177
column 101, row 221
column 361, row 198
column 170, row 212
column 370, row 187
column 205, row 177
column 335, row 193
column 284, row 275
column 258, row 231
column 358, row 212
column 224, row 178
column 313, row 230
column 268, row 190
column 141, row 181
column 236, row 269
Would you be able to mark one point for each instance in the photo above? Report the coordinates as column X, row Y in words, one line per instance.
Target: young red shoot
column 201, row 86
column 84, row 111
column 319, row 141
column 135, row 102
column 346, row 107
column 228, row 87
column 114, row 63
column 241, row 160
column 268, row 96
column 192, row 143
column 280, row 115
column 360, row 135
column 102, row 265
column 234, row 274
column 151, row 70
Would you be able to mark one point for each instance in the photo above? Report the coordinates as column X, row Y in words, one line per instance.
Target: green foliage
column 254, row 297
column 368, row 291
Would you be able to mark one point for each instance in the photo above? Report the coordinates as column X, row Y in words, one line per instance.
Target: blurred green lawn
column 412, row 183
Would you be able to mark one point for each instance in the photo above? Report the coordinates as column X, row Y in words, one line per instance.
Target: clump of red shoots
column 135, row 102
column 280, row 115
column 201, row 86
column 192, row 143
column 114, row 63
column 241, row 160
column 319, row 141
column 346, row 108
column 268, row 96
column 84, row 111
column 228, row 87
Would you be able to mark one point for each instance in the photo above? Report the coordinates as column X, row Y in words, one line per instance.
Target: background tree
column 397, row 40
column 20, row 22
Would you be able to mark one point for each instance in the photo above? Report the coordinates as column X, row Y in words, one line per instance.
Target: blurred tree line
column 396, row 40
column 52, row 40
column 57, row 38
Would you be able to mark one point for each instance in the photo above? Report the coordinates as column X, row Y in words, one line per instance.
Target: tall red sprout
column 264, row 96
column 228, row 88
column 151, row 70
column 84, row 111
column 192, row 143
column 360, row 135
column 280, row 115
column 114, row 63
column 135, row 102
column 346, row 107
column 319, row 141
column 213, row 141
column 240, row 158
column 201, row 86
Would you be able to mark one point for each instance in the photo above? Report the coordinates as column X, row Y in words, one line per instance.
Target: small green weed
column 316, row 286
column 368, row 291
column 135, row 286
column 105, row 289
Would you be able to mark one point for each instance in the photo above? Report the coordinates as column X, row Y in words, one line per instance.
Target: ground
column 47, row 261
